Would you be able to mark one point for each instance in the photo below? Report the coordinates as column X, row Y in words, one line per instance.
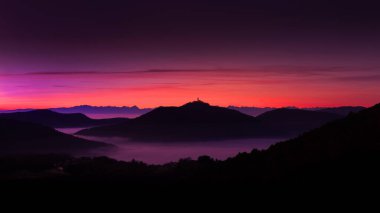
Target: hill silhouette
column 200, row 121
column 23, row 137
column 193, row 121
column 292, row 122
column 344, row 110
column 355, row 134
column 194, row 112
column 59, row 120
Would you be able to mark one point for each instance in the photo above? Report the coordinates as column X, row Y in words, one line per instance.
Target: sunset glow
column 151, row 53
column 265, row 86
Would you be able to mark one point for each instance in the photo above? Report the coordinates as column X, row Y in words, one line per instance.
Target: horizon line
column 144, row 108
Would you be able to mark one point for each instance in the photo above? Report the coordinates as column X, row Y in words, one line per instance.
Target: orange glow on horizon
column 269, row 88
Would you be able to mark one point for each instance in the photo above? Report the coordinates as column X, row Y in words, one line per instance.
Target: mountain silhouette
column 355, row 134
column 194, row 112
column 23, row 137
column 134, row 111
column 59, row 120
column 200, row 121
column 343, row 154
column 345, row 110
column 193, row 121
column 292, row 122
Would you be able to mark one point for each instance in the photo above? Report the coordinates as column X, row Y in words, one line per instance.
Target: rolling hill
column 292, row 122
column 193, row 121
column 23, row 137
column 344, row 110
column 59, row 120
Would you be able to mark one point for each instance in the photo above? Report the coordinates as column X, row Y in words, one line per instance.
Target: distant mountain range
column 134, row 111
column 256, row 111
column 23, row 137
column 123, row 111
column 200, row 121
column 193, row 121
column 59, row 120
column 345, row 110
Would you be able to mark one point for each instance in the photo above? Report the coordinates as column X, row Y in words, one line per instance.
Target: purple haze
column 160, row 153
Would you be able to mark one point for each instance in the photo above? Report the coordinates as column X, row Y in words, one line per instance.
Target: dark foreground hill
column 341, row 155
column 357, row 133
column 201, row 121
column 23, row 137
column 59, row 120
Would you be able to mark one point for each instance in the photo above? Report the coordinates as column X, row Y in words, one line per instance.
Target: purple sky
column 335, row 45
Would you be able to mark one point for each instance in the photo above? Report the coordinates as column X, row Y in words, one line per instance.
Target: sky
column 151, row 53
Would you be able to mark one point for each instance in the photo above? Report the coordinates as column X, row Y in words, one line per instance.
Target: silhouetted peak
column 196, row 104
column 134, row 107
